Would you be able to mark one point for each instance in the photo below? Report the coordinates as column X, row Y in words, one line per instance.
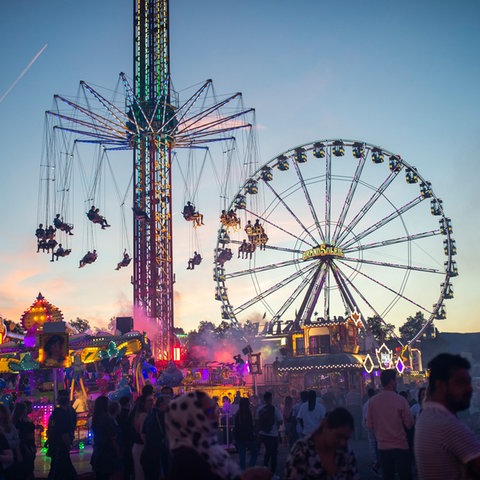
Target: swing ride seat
column 124, row 263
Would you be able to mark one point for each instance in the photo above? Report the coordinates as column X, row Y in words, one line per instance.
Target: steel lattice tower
column 153, row 263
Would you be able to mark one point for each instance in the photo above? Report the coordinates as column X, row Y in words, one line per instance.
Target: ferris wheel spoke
column 291, row 298
column 368, row 205
column 263, row 268
column 347, row 298
column 310, row 205
column 312, row 295
column 275, row 287
column 278, row 227
column 392, row 241
column 384, row 221
column 393, row 265
column 380, row 284
column 272, row 247
column 345, row 280
column 328, row 195
column 348, row 200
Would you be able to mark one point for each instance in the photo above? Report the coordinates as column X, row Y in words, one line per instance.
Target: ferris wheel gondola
column 331, row 234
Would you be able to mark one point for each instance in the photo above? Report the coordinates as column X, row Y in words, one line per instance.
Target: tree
column 112, row 325
column 382, row 332
column 412, row 326
column 80, row 325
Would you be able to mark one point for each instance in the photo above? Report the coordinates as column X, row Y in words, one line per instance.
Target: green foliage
column 80, row 325
column 411, row 327
column 381, row 331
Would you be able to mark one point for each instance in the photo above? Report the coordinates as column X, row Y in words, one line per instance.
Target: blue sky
column 403, row 76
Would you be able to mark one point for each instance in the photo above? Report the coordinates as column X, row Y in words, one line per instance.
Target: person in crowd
column 417, row 407
column 353, row 402
column 26, row 434
column 80, row 402
column 6, row 455
column 289, row 421
column 72, row 414
column 389, row 417
column 11, row 468
column 372, row 441
column 126, row 435
column 244, row 434
column 324, row 453
column 156, row 453
column 329, row 399
column 269, row 418
column 105, row 460
column 445, row 448
column 59, row 438
column 310, row 414
column 296, row 408
column 226, row 420
column 192, row 429
column 236, row 402
column 142, row 407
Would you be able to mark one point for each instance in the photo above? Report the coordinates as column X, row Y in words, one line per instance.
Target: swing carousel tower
column 152, row 121
column 153, row 266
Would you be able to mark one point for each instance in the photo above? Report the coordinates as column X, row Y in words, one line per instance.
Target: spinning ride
column 333, row 228
column 150, row 119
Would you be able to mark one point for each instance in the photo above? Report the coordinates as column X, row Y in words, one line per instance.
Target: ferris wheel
column 333, row 228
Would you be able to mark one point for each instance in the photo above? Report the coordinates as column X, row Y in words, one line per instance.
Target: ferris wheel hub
column 322, row 251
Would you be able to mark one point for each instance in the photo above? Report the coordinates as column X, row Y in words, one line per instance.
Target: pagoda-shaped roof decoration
column 39, row 313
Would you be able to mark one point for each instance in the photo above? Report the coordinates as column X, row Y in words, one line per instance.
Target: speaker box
column 124, row 324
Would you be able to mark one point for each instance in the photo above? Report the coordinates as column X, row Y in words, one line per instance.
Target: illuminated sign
column 323, row 250
column 384, row 357
column 53, row 351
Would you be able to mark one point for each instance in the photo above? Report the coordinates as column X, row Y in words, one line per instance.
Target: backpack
column 266, row 418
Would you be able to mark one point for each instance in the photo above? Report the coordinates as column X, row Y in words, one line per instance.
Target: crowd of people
column 17, row 442
column 162, row 436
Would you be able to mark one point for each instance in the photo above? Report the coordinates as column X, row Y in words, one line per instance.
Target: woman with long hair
column 143, row 405
column 10, row 432
column 244, row 434
column 105, row 459
column 26, row 433
column 6, row 451
column 325, row 452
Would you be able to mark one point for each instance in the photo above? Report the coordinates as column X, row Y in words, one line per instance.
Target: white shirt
column 311, row 419
column 443, row 444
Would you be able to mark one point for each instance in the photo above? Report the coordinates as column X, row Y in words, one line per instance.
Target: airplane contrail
column 12, row 86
